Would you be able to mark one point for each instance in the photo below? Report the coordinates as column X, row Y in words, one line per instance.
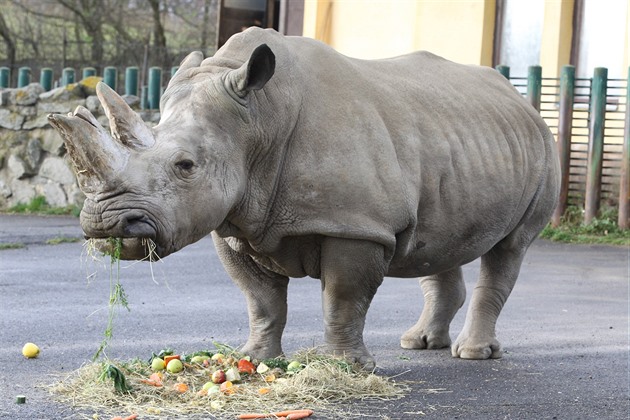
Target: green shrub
column 601, row 230
column 39, row 205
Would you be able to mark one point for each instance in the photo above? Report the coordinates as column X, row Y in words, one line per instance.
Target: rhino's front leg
column 266, row 295
column 351, row 273
column 444, row 294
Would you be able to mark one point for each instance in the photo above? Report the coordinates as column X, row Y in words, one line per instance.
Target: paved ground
column 564, row 329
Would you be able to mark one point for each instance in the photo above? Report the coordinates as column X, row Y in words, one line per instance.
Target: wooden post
column 67, row 76
column 565, row 117
column 624, row 183
column 504, row 70
column 595, row 144
column 46, row 78
column 88, row 72
column 131, row 81
column 24, row 76
column 5, row 77
column 155, row 85
column 110, row 77
column 534, row 85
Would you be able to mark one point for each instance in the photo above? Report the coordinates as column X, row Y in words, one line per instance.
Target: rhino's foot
column 260, row 352
column 415, row 339
column 477, row 349
column 359, row 356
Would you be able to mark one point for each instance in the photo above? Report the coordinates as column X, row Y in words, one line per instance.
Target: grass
column 11, row 245
column 39, row 205
column 62, row 240
column 602, row 230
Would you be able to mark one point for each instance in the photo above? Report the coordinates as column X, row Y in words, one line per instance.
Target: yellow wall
column 459, row 30
column 557, row 33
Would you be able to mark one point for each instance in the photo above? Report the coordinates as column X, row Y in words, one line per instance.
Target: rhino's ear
column 255, row 72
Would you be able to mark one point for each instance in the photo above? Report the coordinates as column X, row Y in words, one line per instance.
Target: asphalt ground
column 564, row 329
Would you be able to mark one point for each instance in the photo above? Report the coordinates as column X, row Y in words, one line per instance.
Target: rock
column 27, row 95
column 51, row 141
column 40, row 121
column 56, row 169
column 61, row 94
column 133, row 101
column 54, row 193
column 5, row 190
column 88, row 85
column 17, row 167
column 23, row 192
column 59, row 107
column 94, row 105
column 33, row 154
column 11, row 120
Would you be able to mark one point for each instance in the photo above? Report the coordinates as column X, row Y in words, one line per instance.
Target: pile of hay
column 322, row 382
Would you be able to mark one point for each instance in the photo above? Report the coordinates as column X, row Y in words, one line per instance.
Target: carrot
column 292, row 413
column 131, row 417
column 289, row 414
column 117, row 418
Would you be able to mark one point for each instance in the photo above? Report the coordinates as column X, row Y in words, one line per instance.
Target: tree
column 6, row 35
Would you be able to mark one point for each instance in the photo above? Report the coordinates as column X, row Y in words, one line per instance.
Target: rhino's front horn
column 96, row 157
column 126, row 126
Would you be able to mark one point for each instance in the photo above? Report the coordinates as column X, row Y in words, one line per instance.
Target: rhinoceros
column 301, row 162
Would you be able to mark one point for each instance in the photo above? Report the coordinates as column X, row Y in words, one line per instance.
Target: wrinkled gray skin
column 303, row 162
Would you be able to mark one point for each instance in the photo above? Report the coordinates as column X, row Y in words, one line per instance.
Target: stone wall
column 33, row 158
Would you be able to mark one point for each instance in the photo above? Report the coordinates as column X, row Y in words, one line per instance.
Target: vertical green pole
column 88, row 72
column 624, row 182
column 144, row 98
column 174, row 70
column 67, row 76
column 5, row 77
column 155, row 85
column 565, row 117
column 24, row 77
column 504, row 70
column 131, row 81
column 595, row 144
column 46, row 78
column 534, row 85
column 110, row 77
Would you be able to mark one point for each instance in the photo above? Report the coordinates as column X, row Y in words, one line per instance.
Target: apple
column 218, row 377
column 157, row 364
column 175, row 366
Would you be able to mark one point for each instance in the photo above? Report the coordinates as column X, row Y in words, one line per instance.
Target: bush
column 601, row 230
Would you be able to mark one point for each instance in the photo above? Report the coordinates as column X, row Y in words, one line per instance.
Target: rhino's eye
column 185, row 164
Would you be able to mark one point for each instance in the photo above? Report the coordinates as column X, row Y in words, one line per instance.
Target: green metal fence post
column 144, row 97
column 88, row 72
column 624, row 182
column 504, row 70
column 110, row 77
column 565, row 118
column 595, row 144
column 174, row 70
column 5, row 77
column 24, row 76
column 46, row 78
column 131, row 81
column 155, row 85
column 67, row 76
column 534, row 85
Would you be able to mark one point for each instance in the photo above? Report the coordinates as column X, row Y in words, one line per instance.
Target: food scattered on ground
column 224, row 384
column 30, row 351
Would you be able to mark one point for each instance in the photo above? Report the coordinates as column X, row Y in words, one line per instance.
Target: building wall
column 460, row 30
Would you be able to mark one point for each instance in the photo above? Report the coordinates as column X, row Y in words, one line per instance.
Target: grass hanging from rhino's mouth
column 117, row 295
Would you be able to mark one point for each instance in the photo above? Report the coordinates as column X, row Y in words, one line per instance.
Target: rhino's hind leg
column 352, row 271
column 444, row 294
column 266, row 295
column 499, row 270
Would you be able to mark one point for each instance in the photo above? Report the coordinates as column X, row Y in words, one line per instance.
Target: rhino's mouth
column 127, row 248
